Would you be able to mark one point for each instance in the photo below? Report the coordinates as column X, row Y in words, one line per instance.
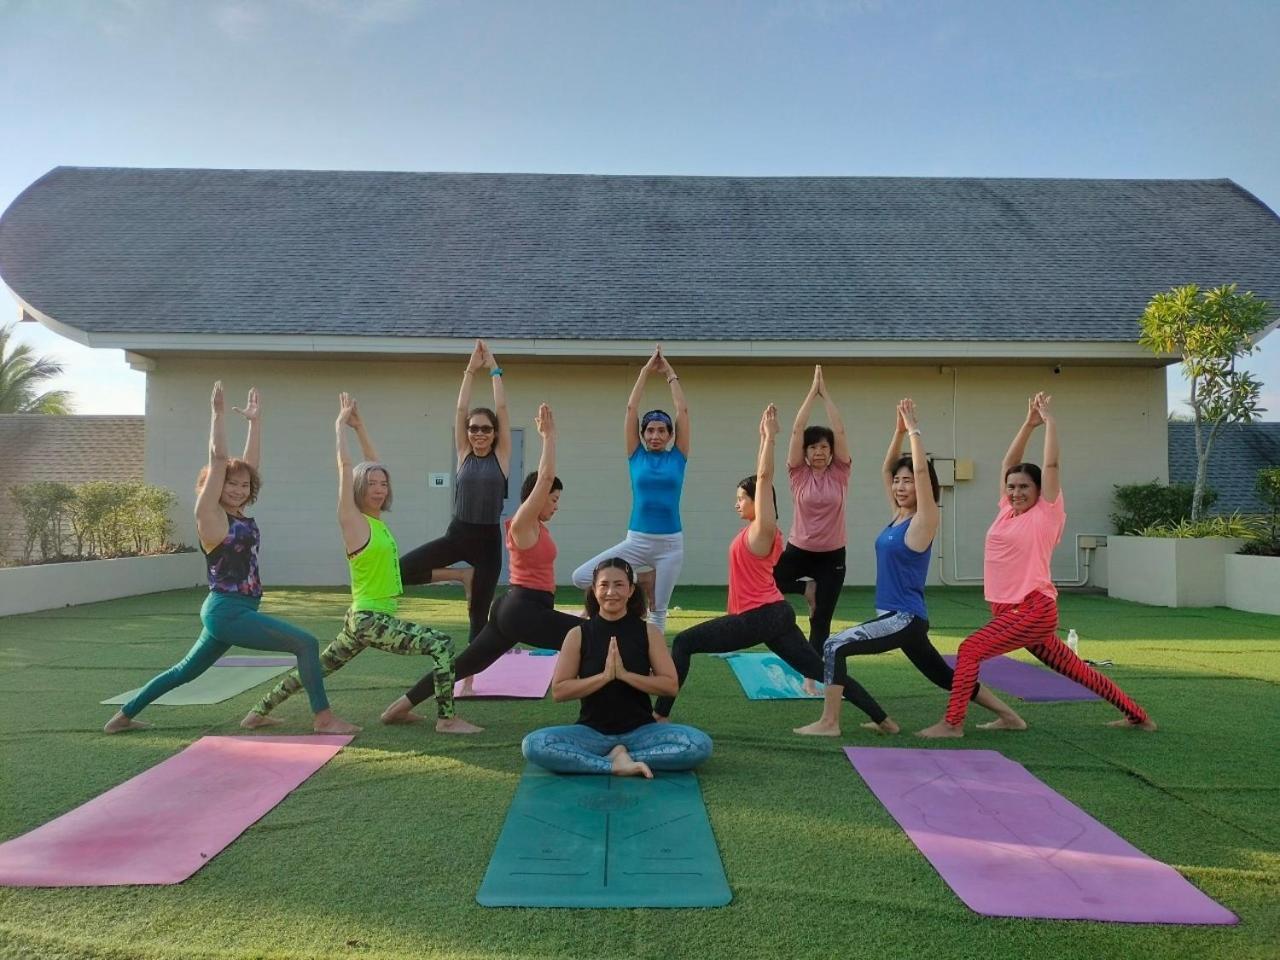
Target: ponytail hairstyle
column 636, row 606
column 748, row 486
column 905, row 461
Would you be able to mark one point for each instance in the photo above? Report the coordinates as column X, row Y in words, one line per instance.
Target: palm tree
column 22, row 374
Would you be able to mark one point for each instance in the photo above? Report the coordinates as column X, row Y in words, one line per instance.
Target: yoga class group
column 614, row 656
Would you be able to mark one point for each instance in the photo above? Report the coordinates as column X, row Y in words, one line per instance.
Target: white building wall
column 1112, row 424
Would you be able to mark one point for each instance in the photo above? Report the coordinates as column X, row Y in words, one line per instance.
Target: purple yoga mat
column 1027, row 681
column 256, row 662
column 1008, row 846
column 167, row 822
column 514, row 674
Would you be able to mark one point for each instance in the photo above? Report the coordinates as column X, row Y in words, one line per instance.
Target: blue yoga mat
column 602, row 841
column 766, row 676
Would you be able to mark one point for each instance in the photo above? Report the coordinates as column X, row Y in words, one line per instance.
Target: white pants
column 662, row 551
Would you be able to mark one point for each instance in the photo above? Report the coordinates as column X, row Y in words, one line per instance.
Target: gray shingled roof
column 1240, row 451
column 571, row 257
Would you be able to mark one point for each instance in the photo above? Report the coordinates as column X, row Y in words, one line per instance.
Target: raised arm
column 661, row 680
column 353, row 523
column 253, row 442
column 891, row 457
column 211, row 519
column 795, row 449
column 1018, row 448
column 1050, row 472
column 565, row 682
column 924, row 525
column 631, row 422
column 356, row 423
column 841, row 451
column 524, row 525
column 475, row 363
column 683, row 436
column 502, row 442
column 760, row 535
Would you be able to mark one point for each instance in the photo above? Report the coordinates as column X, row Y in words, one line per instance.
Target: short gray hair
column 360, row 480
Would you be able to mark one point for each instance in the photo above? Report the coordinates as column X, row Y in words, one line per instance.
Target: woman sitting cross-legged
column 613, row 663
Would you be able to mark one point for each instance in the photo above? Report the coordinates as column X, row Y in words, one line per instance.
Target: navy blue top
column 656, row 482
column 901, row 572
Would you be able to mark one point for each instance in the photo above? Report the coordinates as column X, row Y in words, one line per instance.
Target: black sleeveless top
column 616, row 707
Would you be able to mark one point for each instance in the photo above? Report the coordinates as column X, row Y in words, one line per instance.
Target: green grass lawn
column 381, row 852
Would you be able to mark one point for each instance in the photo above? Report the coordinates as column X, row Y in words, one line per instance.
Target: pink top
column 818, row 522
column 751, row 582
column 1019, row 548
column 535, row 568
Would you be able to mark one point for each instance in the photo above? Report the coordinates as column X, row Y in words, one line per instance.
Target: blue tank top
column 901, row 572
column 656, row 482
column 233, row 564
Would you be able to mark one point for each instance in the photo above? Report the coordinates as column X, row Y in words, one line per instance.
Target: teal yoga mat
column 601, row 841
column 764, row 676
column 213, row 686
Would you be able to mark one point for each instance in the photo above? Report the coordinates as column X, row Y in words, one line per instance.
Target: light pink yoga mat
column 167, row 822
column 514, row 674
column 1008, row 846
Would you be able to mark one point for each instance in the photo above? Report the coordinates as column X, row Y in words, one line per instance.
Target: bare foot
column 819, row 728
column 401, row 711
column 326, row 722
column 456, row 725
column 884, row 726
column 468, row 688
column 120, row 723
column 624, row 766
column 1004, row 722
column 467, row 576
column 659, row 718
column 811, row 687
column 1148, row 724
column 941, row 731
column 252, row 721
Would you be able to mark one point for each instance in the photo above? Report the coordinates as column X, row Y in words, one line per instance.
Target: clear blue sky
column 1159, row 88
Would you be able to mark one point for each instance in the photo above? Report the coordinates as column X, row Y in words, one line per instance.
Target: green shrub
column 1143, row 505
column 1235, row 525
column 102, row 518
column 44, row 506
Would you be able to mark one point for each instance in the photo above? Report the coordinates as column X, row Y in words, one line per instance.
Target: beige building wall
column 1112, row 422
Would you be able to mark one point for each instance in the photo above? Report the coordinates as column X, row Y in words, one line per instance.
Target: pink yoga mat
column 167, row 822
column 1008, row 846
column 517, row 673
column 1026, row 681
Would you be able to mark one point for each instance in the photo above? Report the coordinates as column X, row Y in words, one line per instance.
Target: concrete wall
column 1112, row 422
column 50, row 586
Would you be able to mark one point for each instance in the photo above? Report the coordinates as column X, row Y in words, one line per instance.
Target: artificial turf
column 381, row 852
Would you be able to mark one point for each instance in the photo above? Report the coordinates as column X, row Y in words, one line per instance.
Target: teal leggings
column 231, row 619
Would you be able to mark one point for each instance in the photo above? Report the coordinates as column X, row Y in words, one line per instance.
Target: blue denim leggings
column 233, row 620
column 577, row 748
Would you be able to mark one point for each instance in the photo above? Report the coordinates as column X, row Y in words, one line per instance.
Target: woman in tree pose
column 526, row 612
column 364, row 493
column 903, row 550
column 1018, row 583
column 482, row 437
column 229, row 541
column 758, row 613
column 613, row 663
column 654, row 534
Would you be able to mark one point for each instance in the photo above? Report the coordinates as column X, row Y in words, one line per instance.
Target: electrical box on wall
column 438, row 480
column 964, row 468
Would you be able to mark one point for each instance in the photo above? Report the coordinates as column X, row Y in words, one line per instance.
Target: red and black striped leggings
column 1029, row 624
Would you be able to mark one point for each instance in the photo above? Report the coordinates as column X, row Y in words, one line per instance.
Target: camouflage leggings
column 364, row 628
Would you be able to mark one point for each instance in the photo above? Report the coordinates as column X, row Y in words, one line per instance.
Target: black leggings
column 520, row 615
column 774, row 625
column 889, row 631
column 479, row 544
column 827, row 570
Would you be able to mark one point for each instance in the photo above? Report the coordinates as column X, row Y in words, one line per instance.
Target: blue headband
column 660, row 415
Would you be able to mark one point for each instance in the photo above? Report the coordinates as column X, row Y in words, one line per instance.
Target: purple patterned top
column 233, row 564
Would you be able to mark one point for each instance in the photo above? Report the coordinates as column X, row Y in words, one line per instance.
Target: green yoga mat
column 601, row 841
column 213, row 686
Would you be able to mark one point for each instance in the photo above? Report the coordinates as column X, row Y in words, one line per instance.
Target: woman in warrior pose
column 758, row 613
column 613, row 663
column 482, row 437
column 654, row 535
column 229, row 541
column 1018, row 584
column 526, row 612
column 364, row 493
column 903, row 550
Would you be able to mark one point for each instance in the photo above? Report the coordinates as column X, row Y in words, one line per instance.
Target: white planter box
column 47, row 586
column 1253, row 583
column 1169, row 572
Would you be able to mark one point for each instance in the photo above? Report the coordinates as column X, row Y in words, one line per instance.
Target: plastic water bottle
column 1073, row 641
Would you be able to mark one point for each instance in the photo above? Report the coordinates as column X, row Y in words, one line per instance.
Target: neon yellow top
column 375, row 571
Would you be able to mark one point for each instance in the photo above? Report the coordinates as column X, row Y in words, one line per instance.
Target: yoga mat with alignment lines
column 602, row 841
column 517, row 673
column 1009, row 846
column 766, row 676
column 1027, row 681
column 166, row 823
column 216, row 684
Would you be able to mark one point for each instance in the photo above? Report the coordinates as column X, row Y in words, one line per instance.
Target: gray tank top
column 481, row 487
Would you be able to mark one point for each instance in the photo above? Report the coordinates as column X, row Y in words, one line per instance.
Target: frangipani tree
column 1210, row 330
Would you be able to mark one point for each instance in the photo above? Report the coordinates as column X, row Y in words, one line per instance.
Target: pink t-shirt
column 818, row 522
column 751, row 581
column 535, row 568
column 1019, row 548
